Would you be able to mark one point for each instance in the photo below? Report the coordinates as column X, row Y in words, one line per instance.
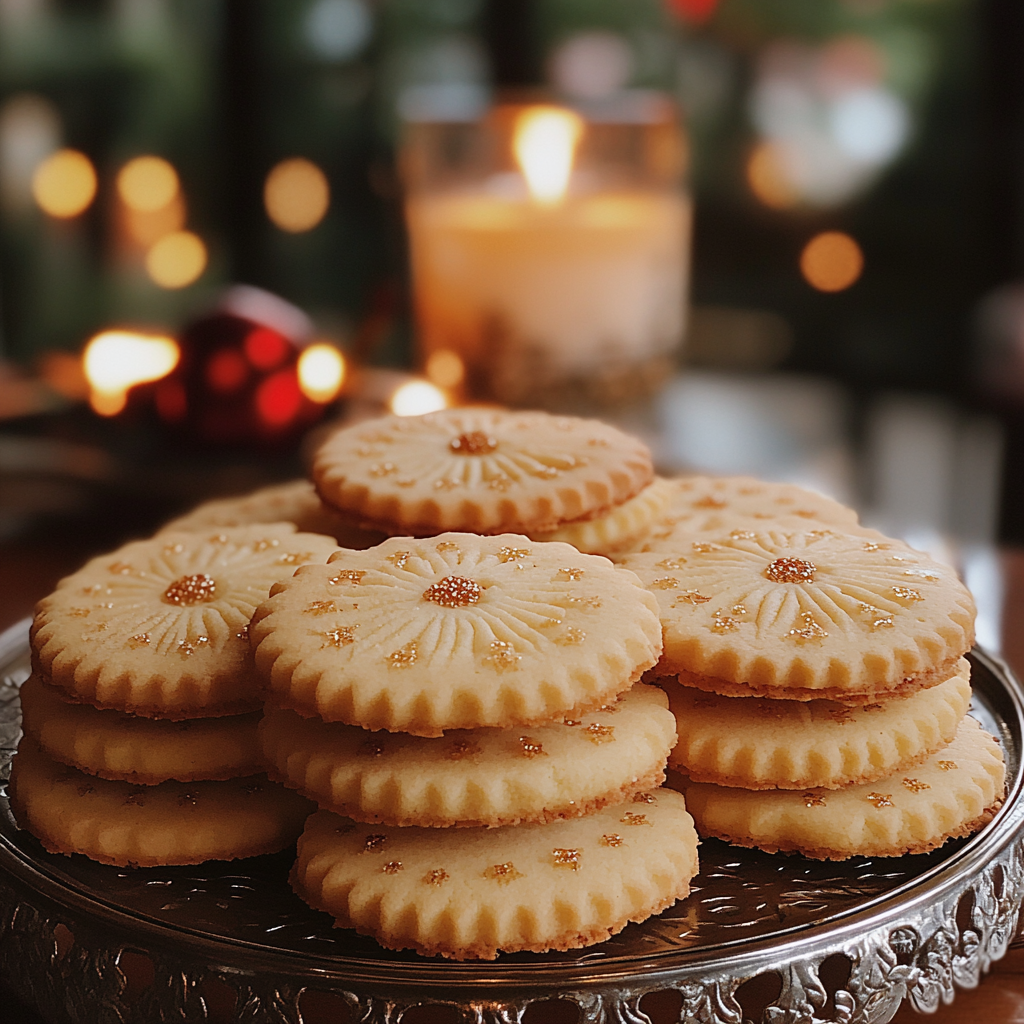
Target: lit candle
column 539, row 283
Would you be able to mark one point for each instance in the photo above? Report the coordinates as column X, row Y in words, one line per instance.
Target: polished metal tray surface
column 782, row 939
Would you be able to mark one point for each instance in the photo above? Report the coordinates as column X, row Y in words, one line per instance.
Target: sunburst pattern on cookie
column 485, row 470
column 817, row 611
column 165, row 634
column 740, row 504
column 456, row 633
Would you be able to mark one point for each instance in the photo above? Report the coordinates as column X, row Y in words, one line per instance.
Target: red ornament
column 237, row 380
column 694, row 11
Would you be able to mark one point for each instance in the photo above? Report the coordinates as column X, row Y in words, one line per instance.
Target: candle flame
column 115, row 361
column 544, row 145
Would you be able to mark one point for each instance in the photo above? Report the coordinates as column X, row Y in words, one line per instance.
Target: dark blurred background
column 887, row 369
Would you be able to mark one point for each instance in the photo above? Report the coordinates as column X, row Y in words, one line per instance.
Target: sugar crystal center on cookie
column 791, row 570
column 453, row 592
column 476, row 442
column 191, row 590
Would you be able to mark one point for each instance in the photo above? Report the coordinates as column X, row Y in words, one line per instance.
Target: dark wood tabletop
column 29, row 569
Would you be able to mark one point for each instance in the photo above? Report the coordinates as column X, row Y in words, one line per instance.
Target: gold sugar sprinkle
column 371, row 748
column 189, row 798
column 444, row 484
column 566, row 858
column 78, row 613
column 629, row 818
column 243, row 633
column 790, row 570
column 438, row 876
column 340, row 637
column 500, row 483
column 664, row 583
column 173, row 549
column 121, row 569
column 644, row 798
column 811, row 630
column 320, row 607
column 295, row 558
column 597, row 442
column 813, row 800
column 571, row 637
column 548, row 472
column 383, row 469
column 609, row 709
column 139, row 640
column 915, row 786
column 906, row 594
column 571, row 722
column 873, row 545
column 191, row 590
column 739, row 609
column 189, row 647
column 703, row 547
column 743, row 535
column 923, row 574
column 399, row 558
column 94, row 588
column 476, row 442
column 691, row 597
column 353, row 576
column 588, row 602
column 723, row 623
column 405, row 656
column 820, row 534
column 252, row 788
column 461, row 749
column 612, row 839
column 708, row 502
column 531, row 748
column 447, row 546
column 880, row 799
column 671, row 563
column 136, row 799
column 947, row 766
column 503, row 873
column 570, row 574
column 265, row 544
column 453, row 592
column 507, row 554
column 392, row 867
column 597, row 733
column 503, row 655
column 374, row 843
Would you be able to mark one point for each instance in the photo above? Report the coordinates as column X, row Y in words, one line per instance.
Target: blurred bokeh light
column 176, row 260
column 321, row 372
column 64, row 184
column 115, row 361
column 831, row 261
column 296, row 195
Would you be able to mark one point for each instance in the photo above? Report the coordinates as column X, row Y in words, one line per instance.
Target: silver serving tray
column 773, row 938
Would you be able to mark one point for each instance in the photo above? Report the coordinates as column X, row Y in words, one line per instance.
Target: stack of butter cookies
column 817, row 675
column 140, row 718
column 463, row 709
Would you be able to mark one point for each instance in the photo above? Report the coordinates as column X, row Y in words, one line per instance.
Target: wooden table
column 30, row 569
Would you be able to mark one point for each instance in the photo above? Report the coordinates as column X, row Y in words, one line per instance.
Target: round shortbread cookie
column 146, row 751
column 757, row 743
column 952, row 794
column 618, row 528
column 150, row 826
column 806, row 614
column 480, row 470
column 479, row 777
column 457, row 631
column 468, row 893
column 295, row 502
column 160, row 626
column 700, row 503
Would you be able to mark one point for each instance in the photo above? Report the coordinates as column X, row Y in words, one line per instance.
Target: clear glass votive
column 550, row 250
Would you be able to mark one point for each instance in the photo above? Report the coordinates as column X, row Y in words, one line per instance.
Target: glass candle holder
column 550, row 251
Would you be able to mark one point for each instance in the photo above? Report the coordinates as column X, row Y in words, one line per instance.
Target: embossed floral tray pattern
column 886, row 927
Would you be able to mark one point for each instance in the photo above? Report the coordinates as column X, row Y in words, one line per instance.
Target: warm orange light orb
column 147, row 183
column 766, row 176
column 64, row 184
column 296, row 195
column 831, row 261
column 321, row 372
column 115, row 361
column 446, row 368
column 176, row 260
column 418, row 397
